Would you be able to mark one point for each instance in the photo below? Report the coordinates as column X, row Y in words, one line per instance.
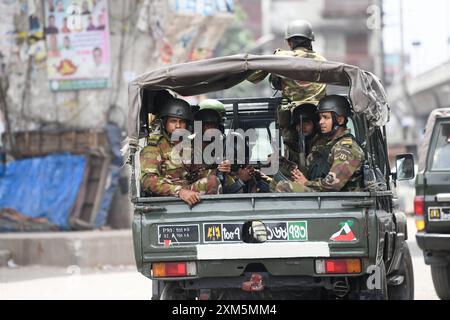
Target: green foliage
column 235, row 40
column 236, row 37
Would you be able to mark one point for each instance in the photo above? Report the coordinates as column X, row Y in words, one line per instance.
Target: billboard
column 77, row 38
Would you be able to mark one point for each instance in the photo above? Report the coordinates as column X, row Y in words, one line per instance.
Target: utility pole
column 266, row 28
column 402, row 45
column 4, row 110
column 381, row 43
column 375, row 23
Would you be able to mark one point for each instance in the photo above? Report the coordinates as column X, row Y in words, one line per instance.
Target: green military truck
column 432, row 201
column 340, row 245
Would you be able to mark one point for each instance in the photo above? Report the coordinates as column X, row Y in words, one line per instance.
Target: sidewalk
column 56, row 283
column 83, row 249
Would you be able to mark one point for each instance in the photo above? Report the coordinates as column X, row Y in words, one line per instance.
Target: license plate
column 439, row 214
column 178, row 234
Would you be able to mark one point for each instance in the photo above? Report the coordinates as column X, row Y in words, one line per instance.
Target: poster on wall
column 8, row 9
column 77, row 38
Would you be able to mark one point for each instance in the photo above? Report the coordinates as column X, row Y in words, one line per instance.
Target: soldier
column 305, row 125
column 299, row 36
column 212, row 116
column 244, row 178
column 344, row 155
column 235, row 178
column 163, row 170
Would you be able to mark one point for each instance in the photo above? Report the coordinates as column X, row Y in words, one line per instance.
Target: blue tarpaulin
column 114, row 137
column 44, row 187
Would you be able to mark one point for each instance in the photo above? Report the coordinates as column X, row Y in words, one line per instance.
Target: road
column 126, row 283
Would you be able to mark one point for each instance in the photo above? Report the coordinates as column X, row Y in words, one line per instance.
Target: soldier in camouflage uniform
column 235, row 178
column 345, row 156
column 299, row 36
column 243, row 177
column 211, row 114
column 164, row 171
column 304, row 118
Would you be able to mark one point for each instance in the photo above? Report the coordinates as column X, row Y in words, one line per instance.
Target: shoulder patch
column 347, row 142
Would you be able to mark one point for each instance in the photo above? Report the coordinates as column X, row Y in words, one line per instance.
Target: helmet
column 335, row 103
column 213, row 104
column 299, row 28
column 177, row 108
column 208, row 115
column 307, row 110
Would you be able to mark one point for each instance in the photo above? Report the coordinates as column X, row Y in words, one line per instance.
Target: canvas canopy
column 193, row 78
column 423, row 148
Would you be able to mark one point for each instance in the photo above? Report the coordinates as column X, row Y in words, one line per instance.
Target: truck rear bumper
column 433, row 241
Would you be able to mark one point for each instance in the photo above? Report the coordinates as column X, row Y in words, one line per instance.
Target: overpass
column 413, row 99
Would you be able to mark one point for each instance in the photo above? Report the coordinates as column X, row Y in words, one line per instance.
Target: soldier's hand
column 189, row 196
column 298, row 177
column 225, row 166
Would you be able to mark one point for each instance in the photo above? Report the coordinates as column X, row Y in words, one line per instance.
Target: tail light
column 173, row 269
column 419, row 211
column 338, row 266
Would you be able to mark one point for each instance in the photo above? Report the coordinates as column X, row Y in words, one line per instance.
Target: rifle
column 301, row 146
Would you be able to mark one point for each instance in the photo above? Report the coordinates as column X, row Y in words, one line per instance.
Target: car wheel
column 441, row 281
column 380, row 292
column 405, row 290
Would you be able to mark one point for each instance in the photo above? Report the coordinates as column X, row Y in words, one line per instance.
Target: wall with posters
column 58, row 78
column 77, row 38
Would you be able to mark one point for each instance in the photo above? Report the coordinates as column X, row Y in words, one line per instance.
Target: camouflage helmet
column 307, row 110
column 213, row 104
column 177, row 108
column 299, row 28
column 335, row 103
column 208, row 115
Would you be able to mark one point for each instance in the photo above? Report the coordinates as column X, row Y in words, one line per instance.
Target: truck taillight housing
column 419, row 211
column 173, row 269
column 338, row 266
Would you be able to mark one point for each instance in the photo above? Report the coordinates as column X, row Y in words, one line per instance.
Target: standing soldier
column 163, row 170
column 344, row 155
column 299, row 36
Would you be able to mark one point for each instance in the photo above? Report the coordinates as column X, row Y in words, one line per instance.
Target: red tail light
column 173, row 269
column 338, row 266
column 419, row 205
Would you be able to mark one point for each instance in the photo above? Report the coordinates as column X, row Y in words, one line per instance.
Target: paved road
column 424, row 289
column 127, row 283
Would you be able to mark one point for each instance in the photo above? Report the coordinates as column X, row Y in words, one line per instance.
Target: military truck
column 328, row 245
column 432, row 201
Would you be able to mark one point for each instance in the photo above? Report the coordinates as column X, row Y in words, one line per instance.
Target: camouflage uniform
column 312, row 146
column 297, row 91
column 164, row 173
column 345, row 160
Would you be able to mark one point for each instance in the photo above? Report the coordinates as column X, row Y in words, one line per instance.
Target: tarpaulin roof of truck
column 193, row 78
column 423, row 148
